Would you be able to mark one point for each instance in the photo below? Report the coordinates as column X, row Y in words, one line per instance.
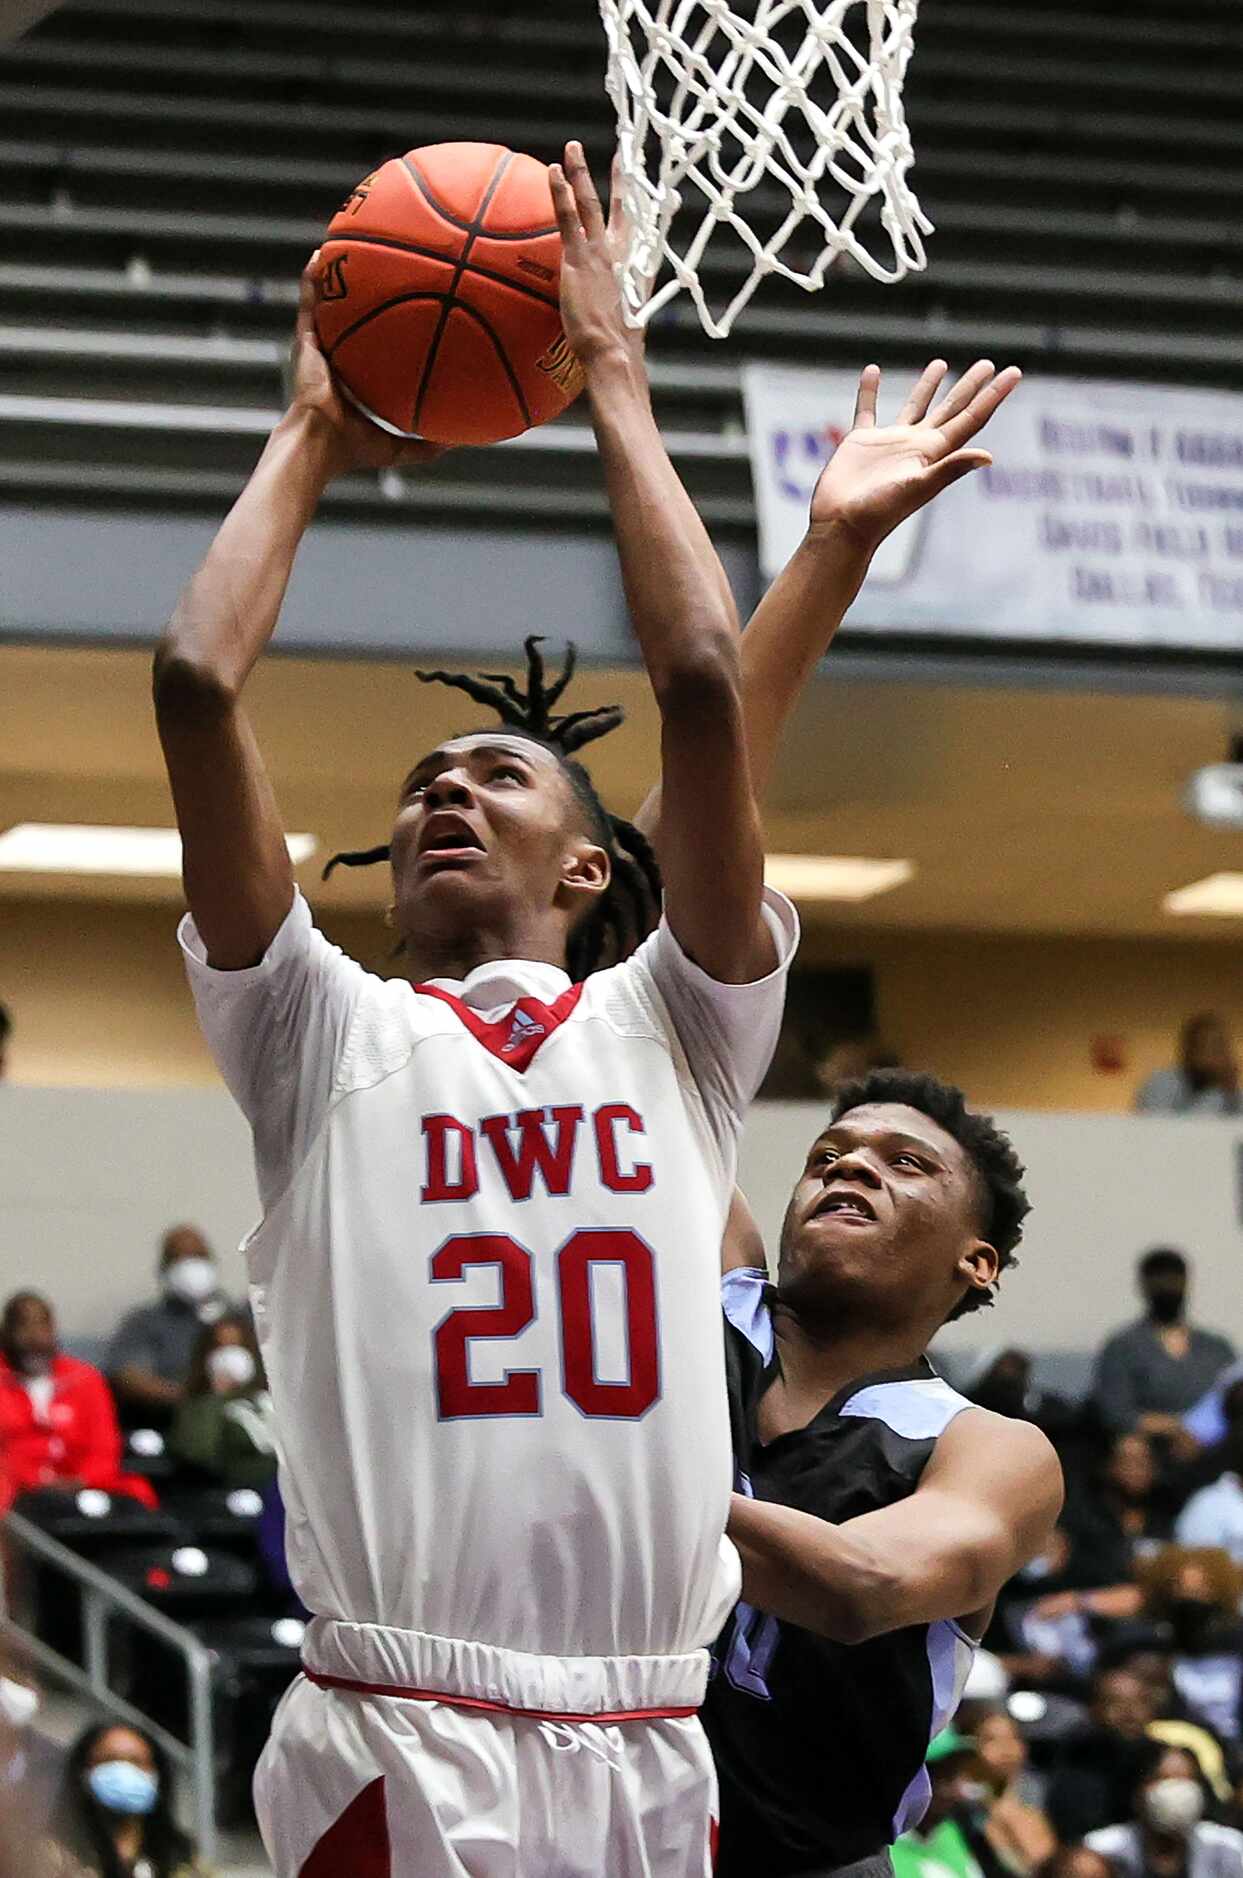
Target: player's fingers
column 960, row 430
column 617, row 198
column 952, row 468
column 590, row 213
column 961, row 393
column 308, row 295
column 923, row 392
column 565, row 208
column 865, row 403
column 419, row 452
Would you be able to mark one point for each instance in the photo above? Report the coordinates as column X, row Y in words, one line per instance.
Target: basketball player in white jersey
column 485, row 1281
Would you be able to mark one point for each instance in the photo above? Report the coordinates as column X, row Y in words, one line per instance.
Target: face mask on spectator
column 231, row 1364
column 19, row 1703
column 121, row 1787
column 1174, row 1805
column 192, row 1280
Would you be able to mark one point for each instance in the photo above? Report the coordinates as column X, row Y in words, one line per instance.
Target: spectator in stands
column 6, row 1037
column 1165, row 1834
column 58, row 1424
column 1078, row 1861
column 1018, row 1832
column 30, row 1764
column 1149, row 1375
column 1093, row 1779
column 1193, row 1595
column 1117, row 1515
column 1214, row 1515
column 149, row 1360
column 1001, row 1380
column 1206, row 1080
column 114, row 1814
column 1155, row 1667
column 224, row 1428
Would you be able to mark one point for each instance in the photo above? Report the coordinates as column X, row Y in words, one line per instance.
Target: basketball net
column 717, row 99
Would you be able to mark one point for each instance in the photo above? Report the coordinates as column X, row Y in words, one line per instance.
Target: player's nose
column 851, row 1169
column 449, row 790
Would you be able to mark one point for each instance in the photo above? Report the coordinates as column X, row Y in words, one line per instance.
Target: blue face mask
column 123, row 1788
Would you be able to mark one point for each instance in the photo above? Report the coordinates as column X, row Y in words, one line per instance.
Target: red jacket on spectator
column 79, row 1439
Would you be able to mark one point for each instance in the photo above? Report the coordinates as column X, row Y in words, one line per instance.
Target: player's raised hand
column 879, row 475
column 356, row 443
column 592, row 251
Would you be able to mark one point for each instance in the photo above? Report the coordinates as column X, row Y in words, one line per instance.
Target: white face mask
column 191, row 1280
column 1174, row 1805
column 19, row 1703
column 232, row 1364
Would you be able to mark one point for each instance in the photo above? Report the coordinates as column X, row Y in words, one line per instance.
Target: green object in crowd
column 948, row 1742
column 943, row 1854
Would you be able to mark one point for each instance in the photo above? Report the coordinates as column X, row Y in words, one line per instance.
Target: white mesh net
column 800, row 96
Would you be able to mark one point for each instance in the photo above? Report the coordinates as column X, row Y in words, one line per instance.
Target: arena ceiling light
column 83, row 848
column 1217, row 896
column 834, row 876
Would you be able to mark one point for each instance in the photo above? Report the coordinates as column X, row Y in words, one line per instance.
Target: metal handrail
column 102, row 1595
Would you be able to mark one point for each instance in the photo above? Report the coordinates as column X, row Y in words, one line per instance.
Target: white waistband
column 376, row 1660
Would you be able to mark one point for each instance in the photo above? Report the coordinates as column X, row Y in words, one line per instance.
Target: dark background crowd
column 1103, row 1726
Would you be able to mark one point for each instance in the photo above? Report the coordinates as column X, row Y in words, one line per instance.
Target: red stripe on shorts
column 400, row 1694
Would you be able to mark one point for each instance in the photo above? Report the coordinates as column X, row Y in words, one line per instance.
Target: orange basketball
column 439, row 311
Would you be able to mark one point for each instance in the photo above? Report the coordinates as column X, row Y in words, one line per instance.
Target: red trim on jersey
column 347, row 1683
column 511, row 1039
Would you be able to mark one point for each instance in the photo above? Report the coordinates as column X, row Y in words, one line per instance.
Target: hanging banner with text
column 1112, row 514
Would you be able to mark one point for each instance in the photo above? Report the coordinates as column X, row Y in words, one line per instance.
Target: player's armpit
column 987, row 1502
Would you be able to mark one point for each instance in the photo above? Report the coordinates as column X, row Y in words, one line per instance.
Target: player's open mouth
column 844, row 1205
column 447, row 840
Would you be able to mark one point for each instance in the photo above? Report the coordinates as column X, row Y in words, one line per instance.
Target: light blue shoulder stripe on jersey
column 919, row 1411
column 742, row 1300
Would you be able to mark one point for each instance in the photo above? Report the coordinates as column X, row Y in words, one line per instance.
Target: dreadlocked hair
column 629, row 908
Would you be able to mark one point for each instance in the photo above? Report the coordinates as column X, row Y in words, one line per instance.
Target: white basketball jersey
column 486, row 1283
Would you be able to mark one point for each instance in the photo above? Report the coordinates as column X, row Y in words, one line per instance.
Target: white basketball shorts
column 398, row 1755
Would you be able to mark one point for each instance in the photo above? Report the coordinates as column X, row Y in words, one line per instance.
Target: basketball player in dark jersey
column 878, row 1513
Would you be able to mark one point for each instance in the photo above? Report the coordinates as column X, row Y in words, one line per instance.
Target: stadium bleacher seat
column 166, row 166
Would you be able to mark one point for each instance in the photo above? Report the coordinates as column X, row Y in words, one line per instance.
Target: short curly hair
column 998, row 1168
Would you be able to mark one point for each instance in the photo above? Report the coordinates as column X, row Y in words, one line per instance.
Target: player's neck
column 821, row 1358
column 457, row 955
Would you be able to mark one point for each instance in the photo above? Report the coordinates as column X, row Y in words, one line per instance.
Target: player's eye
column 909, row 1160
column 508, row 772
column 823, row 1157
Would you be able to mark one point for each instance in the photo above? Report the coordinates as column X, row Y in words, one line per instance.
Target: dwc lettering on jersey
column 545, row 1145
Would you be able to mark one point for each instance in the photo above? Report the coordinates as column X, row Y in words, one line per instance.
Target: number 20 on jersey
column 520, row 1391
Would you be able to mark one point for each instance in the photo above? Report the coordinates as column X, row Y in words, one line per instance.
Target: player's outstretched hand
column 878, row 475
column 592, row 251
column 357, row 443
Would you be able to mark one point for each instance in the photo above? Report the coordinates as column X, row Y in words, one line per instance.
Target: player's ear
column 585, row 872
column 979, row 1266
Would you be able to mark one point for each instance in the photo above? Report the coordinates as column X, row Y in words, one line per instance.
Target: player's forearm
column 228, row 613
column 679, row 602
column 791, row 630
column 808, row 1572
